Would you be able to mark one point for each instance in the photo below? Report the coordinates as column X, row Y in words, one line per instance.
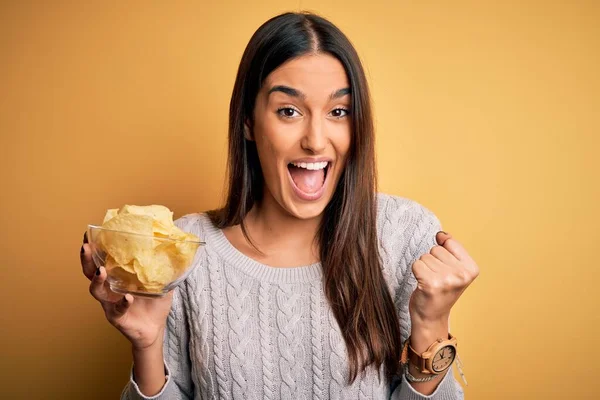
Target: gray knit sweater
column 242, row 330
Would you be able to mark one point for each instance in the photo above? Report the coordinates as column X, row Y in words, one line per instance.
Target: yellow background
column 487, row 113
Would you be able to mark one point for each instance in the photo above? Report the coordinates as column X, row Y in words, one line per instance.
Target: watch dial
column 443, row 358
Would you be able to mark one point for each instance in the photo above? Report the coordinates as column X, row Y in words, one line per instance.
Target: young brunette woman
column 311, row 285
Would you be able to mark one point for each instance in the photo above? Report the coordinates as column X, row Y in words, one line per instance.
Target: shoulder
column 187, row 292
column 195, row 223
column 406, row 230
column 395, row 213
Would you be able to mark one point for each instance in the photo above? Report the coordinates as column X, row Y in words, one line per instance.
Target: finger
column 85, row 239
column 87, row 264
column 433, row 263
column 443, row 255
column 453, row 246
column 98, row 289
column 120, row 307
column 441, row 237
column 422, row 272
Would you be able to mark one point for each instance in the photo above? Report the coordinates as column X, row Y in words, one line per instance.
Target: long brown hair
column 353, row 281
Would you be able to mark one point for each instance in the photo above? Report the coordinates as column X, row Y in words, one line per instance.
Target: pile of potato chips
column 136, row 248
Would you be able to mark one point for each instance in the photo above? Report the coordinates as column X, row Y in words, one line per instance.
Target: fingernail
column 97, row 271
column 125, row 299
column 443, row 232
column 82, row 250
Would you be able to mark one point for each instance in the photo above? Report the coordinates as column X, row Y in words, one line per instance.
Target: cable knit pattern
column 217, row 302
column 199, row 343
column 316, row 339
column 198, row 315
column 239, row 329
column 292, row 364
column 363, row 391
column 240, row 335
column 266, row 342
column 336, row 359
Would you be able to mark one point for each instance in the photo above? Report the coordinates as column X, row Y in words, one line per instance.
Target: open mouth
column 308, row 178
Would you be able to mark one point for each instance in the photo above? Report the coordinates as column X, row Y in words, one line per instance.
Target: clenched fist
column 442, row 276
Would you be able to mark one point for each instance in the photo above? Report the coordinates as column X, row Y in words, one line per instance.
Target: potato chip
column 128, row 280
column 110, row 264
column 156, row 270
column 185, row 252
column 146, row 255
column 162, row 217
column 158, row 213
column 121, row 246
column 110, row 214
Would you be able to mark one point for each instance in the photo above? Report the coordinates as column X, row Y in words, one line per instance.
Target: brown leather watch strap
column 416, row 360
column 410, row 355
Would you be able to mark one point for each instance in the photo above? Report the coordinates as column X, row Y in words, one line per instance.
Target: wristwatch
column 435, row 360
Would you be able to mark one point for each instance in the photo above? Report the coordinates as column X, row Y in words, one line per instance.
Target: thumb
column 441, row 237
column 121, row 306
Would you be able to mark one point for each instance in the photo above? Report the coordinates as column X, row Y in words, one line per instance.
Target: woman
column 310, row 283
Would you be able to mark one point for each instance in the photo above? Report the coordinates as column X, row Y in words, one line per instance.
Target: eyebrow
column 296, row 93
column 287, row 90
column 340, row 93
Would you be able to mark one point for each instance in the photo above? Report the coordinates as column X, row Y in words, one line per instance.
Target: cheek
column 263, row 135
column 341, row 137
column 272, row 143
column 266, row 154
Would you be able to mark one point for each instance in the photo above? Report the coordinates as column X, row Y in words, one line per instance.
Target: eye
column 287, row 112
column 339, row 112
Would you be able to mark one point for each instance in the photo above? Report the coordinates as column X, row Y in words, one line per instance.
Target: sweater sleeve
column 409, row 231
column 178, row 385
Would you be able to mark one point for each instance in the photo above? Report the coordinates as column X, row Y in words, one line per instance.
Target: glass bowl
column 143, row 265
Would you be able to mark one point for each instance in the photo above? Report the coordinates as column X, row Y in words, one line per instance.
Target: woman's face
column 302, row 129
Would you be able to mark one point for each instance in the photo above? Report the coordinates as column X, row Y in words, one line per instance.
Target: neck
column 275, row 232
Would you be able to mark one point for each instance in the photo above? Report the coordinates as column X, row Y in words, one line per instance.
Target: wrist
column 416, row 373
column 144, row 351
column 149, row 368
column 424, row 335
column 149, row 346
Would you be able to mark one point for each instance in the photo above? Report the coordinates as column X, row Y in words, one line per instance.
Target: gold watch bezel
column 424, row 361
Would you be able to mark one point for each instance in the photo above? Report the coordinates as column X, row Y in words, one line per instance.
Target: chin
column 306, row 211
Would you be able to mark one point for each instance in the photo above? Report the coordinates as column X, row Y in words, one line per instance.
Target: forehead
column 312, row 74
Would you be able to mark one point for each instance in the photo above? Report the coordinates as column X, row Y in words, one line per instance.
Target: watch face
column 443, row 358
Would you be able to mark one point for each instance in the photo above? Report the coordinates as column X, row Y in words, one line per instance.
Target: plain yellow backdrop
column 487, row 113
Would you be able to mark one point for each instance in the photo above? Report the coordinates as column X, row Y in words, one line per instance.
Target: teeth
column 311, row 166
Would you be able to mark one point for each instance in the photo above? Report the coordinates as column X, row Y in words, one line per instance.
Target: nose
column 314, row 139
